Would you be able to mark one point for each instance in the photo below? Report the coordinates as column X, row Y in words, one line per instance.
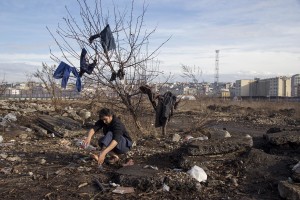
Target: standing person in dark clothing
column 116, row 139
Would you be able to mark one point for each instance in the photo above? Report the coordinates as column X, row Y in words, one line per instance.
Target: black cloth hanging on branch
column 85, row 67
column 107, row 39
column 165, row 108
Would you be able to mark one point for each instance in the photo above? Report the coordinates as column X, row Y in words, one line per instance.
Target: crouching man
column 116, row 139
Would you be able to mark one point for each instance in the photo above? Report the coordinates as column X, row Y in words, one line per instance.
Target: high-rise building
column 295, row 84
column 242, row 88
column 271, row 87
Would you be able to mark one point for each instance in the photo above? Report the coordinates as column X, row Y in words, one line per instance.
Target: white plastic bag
column 198, row 173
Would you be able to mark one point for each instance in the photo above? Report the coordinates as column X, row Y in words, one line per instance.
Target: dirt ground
column 35, row 167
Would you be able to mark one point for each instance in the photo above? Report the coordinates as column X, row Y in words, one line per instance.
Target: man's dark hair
column 105, row 112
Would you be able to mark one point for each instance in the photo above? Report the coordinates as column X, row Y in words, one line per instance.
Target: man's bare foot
column 94, row 156
column 129, row 162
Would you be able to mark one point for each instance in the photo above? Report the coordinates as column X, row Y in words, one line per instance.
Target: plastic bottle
column 80, row 143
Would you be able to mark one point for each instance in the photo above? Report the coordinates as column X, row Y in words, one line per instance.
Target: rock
column 198, row 173
column 13, row 159
column 59, row 125
column 43, row 161
column 219, row 146
column 234, row 182
column 72, row 114
column 218, row 134
column 176, row 137
column 289, row 190
column 296, row 173
column 84, row 114
column 282, row 138
column 6, row 170
column 146, row 179
column 3, row 155
column 39, row 131
column 274, row 130
column 23, row 136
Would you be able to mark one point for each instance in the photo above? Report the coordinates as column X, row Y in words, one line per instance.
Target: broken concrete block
column 281, row 138
column 147, row 179
column 289, row 190
column 40, row 131
column 219, row 146
column 59, row 125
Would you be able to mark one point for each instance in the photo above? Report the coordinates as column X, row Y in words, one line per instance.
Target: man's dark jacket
column 116, row 127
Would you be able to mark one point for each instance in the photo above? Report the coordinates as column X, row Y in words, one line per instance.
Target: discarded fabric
column 63, row 72
column 198, row 173
column 165, row 108
column 107, row 39
column 85, row 67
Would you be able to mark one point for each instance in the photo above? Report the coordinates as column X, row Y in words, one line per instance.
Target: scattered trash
column 113, row 184
column 30, row 173
column 176, row 137
column 190, row 138
column 166, row 188
column 150, row 166
column 296, row 166
column 79, row 143
column 10, row 117
column 198, row 173
column 1, row 139
column 123, row 190
column 82, row 185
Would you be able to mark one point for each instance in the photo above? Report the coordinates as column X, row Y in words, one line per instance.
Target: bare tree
column 120, row 71
column 45, row 75
column 193, row 73
column 3, row 87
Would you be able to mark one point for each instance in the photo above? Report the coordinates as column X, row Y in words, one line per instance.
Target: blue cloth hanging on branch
column 63, row 72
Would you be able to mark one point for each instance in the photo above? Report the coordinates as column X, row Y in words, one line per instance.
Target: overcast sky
column 256, row 38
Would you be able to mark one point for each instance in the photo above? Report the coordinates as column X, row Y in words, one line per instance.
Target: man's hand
column 101, row 158
column 87, row 141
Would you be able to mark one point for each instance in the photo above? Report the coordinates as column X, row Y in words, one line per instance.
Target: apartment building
column 242, row 88
column 271, row 87
column 295, row 84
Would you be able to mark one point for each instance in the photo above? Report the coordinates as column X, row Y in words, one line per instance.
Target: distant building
column 295, row 85
column 271, row 87
column 224, row 93
column 189, row 91
column 242, row 88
